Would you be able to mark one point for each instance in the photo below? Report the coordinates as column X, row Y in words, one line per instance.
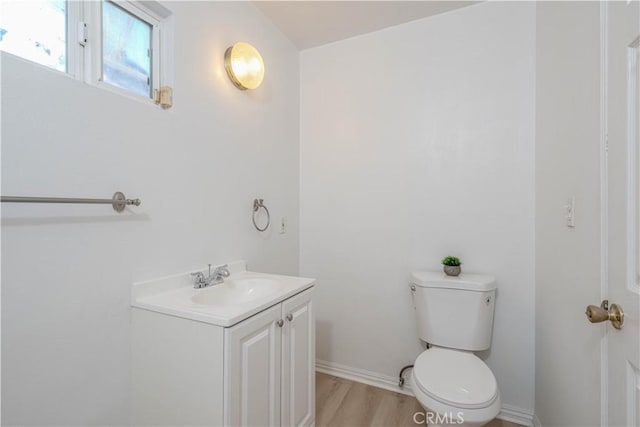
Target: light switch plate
column 570, row 212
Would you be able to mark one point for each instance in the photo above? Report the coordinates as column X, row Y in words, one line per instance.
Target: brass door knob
column 603, row 313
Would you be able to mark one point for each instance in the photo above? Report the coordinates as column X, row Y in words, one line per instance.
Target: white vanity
column 238, row 353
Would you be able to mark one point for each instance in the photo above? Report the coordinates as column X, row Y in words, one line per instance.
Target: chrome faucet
column 215, row 278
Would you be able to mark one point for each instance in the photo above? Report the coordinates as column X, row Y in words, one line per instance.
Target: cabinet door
column 252, row 370
column 298, row 361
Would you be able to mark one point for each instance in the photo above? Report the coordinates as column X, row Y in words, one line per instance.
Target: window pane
column 35, row 30
column 126, row 47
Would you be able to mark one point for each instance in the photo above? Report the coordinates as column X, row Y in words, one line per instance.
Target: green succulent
column 451, row 260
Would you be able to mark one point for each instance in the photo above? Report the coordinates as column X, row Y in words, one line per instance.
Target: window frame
column 75, row 53
column 84, row 59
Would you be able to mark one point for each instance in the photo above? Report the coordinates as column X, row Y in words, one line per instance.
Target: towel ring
column 257, row 204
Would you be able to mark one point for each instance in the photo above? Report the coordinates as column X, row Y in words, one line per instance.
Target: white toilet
column 455, row 317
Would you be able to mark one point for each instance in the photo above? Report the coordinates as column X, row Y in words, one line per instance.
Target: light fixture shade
column 244, row 66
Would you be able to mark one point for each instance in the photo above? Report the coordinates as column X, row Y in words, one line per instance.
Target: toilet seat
column 455, row 378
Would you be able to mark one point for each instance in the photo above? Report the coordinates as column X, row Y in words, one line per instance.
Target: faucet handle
column 199, row 277
column 223, row 271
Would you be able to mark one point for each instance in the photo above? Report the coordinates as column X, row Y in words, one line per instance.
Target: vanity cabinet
column 270, row 366
column 259, row 372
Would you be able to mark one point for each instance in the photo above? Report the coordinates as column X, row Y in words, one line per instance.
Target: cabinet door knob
column 280, row 323
column 289, row 317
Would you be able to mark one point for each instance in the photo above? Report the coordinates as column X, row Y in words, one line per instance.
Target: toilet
column 455, row 318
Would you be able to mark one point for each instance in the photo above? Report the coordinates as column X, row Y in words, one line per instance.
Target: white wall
column 567, row 260
column 418, row 142
column 67, row 270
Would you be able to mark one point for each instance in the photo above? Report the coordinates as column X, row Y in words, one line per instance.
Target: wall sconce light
column 244, row 66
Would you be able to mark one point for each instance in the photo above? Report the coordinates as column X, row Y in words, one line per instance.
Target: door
column 622, row 377
column 252, row 370
column 298, row 361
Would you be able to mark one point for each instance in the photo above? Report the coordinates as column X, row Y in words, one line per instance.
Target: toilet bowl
column 455, row 387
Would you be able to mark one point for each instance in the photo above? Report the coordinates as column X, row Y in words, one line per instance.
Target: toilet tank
column 454, row 312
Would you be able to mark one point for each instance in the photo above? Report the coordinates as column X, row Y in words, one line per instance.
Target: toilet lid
column 455, row 378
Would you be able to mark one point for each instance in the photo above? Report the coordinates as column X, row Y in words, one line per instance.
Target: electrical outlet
column 570, row 212
column 283, row 225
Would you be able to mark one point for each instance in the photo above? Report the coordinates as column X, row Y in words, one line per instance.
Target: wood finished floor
column 344, row 403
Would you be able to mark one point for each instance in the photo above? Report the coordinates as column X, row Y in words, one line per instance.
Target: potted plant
column 451, row 265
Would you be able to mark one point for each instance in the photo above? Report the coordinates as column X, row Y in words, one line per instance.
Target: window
column 113, row 44
column 127, row 46
column 36, row 30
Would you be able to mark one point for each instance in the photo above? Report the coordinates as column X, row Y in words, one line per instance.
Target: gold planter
column 451, row 270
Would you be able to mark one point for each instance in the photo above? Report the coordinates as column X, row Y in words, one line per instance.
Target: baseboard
column 516, row 415
column 536, row 421
column 362, row 376
column 508, row 412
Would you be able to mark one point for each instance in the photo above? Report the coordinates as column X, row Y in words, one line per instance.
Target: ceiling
column 314, row 23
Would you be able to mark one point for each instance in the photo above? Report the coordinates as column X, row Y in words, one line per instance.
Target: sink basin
column 237, row 291
column 241, row 295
